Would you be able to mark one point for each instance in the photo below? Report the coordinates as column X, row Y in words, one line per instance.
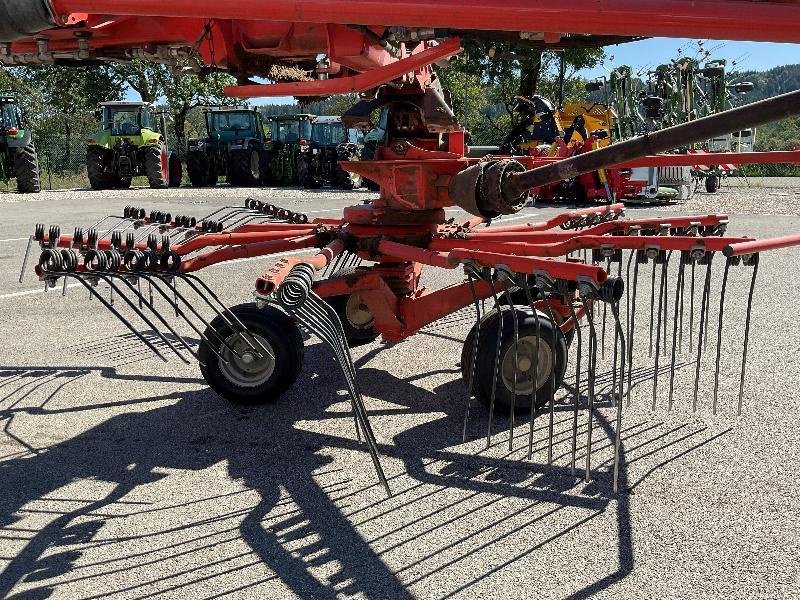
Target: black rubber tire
column 197, row 168
column 304, row 176
column 265, row 163
column 156, row 166
column 175, row 170
column 712, row 183
column 368, row 153
column 122, row 183
column 99, row 178
column 273, row 326
column 484, row 365
column 241, row 168
column 355, row 336
column 344, row 179
column 26, row 170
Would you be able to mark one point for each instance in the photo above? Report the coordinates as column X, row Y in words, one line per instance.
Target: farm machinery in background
column 18, row 157
column 288, row 133
column 131, row 142
column 235, row 147
column 318, row 161
column 544, row 282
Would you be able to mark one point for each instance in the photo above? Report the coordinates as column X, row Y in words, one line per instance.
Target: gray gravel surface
column 124, row 477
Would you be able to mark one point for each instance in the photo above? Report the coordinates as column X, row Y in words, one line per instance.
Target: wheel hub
column 531, row 354
column 244, row 363
column 358, row 314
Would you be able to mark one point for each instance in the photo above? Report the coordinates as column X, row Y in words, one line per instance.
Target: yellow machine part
column 597, row 116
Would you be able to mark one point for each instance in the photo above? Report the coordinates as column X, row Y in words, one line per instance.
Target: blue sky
column 651, row 52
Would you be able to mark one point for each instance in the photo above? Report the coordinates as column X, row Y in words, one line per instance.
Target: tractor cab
column 328, row 132
column 287, row 134
column 123, row 119
column 10, row 113
column 230, row 125
column 17, row 151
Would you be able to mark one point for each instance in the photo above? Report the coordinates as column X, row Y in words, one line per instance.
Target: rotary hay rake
column 571, row 280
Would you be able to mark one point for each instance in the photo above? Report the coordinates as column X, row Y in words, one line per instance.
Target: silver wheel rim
column 528, row 353
column 357, row 312
column 246, row 367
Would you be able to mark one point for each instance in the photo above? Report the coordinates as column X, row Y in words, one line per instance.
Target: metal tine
column 684, row 257
column 605, row 311
column 492, row 399
column 158, row 315
column 116, row 313
column 703, row 316
column 253, row 340
column 579, row 336
column 551, row 421
column 592, row 358
column 662, row 302
column 620, row 334
column 665, row 275
column 139, row 312
column 535, row 382
column 150, row 278
column 631, row 327
column 174, row 287
column 730, row 261
column 681, row 289
column 652, row 305
column 341, row 351
column 470, row 271
column 691, row 303
column 754, row 260
column 25, row 259
column 514, row 376
column 614, row 398
column 317, row 305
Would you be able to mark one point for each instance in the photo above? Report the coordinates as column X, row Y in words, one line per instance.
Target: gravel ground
column 124, row 477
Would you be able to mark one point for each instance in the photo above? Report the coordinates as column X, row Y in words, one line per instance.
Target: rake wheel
column 244, row 376
column 526, row 359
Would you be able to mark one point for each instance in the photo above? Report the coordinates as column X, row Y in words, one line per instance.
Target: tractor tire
column 344, row 179
column 156, row 165
column 368, row 153
column 197, row 167
column 99, row 179
column 265, row 165
column 712, row 183
column 307, row 180
column 242, row 376
column 122, row 183
column 175, row 170
column 245, row 168
column 357, row 322
column 26, row 170
column 549, row 375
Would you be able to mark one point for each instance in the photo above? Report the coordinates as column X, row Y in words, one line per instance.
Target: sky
column 749, row 56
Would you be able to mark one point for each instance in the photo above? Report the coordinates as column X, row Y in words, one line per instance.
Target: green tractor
column 130, row 144
column 235, row 147
column 318, row 162
column 288, row 134
column 16, row 145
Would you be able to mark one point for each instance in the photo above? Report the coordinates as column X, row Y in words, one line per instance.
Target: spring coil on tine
column 51, row 261
column 610, row 291
column 135, row 260
column 116, row 239
column 130, row 241
column 38, row 232
column 170, row 261
column 270, row 210
column 295, row 289
column 95, row 260
column 152, row 242
column 250, row 203
column 54, row 234
column 91, row 238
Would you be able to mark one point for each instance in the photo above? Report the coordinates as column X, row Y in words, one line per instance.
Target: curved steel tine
column 691, row 304
column 514, row 377
column 675, row 327
column 116, row 313
column 618, row 433
column 681, row 288
column 701, row 329
column 592, row 357
column 665, row 275
column 252, row 340
column 605, row 312
column 157, row 314
column 550, row 424
column 535, row 380
column 728, row 263
column 662, row 301
column 631, row 327
column 496, row 363
column 471, row 382
column 25, row 259
column 755, row 260
column 614, row 397
column 150, row 277
column 579, row 352
column 139, row 312
column 652, row 306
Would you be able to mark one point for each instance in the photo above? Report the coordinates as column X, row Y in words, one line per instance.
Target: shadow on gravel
column 269, row 453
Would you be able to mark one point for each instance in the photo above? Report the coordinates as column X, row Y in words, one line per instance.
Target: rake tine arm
column 233, row 239
column 741, row 248
column 275, row 275
column 247, row 251
column 613, row 210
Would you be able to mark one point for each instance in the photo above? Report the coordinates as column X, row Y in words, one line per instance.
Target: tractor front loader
column 128, row 145
column 17, row 152
column 235, row 148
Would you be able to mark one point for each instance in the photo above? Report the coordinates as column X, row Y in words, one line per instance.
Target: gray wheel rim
column 245, row 368
column 528, row 353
